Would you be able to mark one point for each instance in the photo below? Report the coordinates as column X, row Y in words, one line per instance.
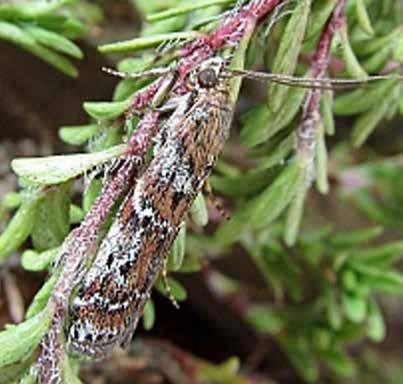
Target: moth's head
column 208, row 73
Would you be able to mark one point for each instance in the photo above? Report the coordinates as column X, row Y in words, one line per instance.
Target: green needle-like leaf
column 18, row 341
column 34, row 261
column 198, row 211
column 177, row 253
column 54, row 41
column 147, row 42
column 19, row 227
column 363, row 18
column 78, row 135
column 58, row 169
column 149, row 315
column 288, row 52
column 185, row 8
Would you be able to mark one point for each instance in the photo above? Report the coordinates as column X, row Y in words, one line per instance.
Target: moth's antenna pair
column 303, row 82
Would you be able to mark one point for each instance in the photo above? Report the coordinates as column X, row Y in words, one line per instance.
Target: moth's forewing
column 110, row 300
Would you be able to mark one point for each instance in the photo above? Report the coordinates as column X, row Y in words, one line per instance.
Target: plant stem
column 307, row 129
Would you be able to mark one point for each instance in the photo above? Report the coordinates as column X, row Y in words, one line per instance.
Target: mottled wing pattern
column 110, row 300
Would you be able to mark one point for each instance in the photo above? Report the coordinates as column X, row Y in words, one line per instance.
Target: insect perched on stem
column 110, row 300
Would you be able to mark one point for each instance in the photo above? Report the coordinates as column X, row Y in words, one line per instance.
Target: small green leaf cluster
column 378, row 190
column 324, row 286
column 267, row 198
column 17, row 345
column 45, row 29
column 324, row 294
column 268, row 129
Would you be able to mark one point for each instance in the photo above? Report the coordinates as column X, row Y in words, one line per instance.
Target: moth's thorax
column 207, row 75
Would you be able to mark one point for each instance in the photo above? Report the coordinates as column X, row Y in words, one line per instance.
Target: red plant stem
column 76, row 249
column 145, row 130
column 306, row 137
column 230, row 27
column 143, row 97
column 231, row 30
column 321, row 58
column 81, row 243
column 83, row 239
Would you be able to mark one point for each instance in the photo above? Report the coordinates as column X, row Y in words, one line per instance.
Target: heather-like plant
column 320, row 280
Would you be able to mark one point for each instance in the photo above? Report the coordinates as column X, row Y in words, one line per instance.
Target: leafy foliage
column 44, row 28
column 323, row 281
column 343, row 308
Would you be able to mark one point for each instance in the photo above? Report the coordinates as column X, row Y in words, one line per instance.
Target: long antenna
column 137, row 75
column 307, row 82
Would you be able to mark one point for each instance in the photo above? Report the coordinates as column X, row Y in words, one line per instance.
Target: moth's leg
column 167, row 288
column 237, row 7
column 169, row 106
column 174, row 109
column 208, row 191
column 172, row 104
column 164, row 90
column 127, row 335
column 166, row 51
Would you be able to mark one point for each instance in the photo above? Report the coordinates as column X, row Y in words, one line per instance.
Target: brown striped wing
column 110, row 300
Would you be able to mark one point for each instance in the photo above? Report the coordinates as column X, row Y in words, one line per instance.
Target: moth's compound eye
column 208, row 78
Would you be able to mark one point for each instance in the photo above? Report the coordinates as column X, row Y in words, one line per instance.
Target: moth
column 109, row 302
column 111, row 297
